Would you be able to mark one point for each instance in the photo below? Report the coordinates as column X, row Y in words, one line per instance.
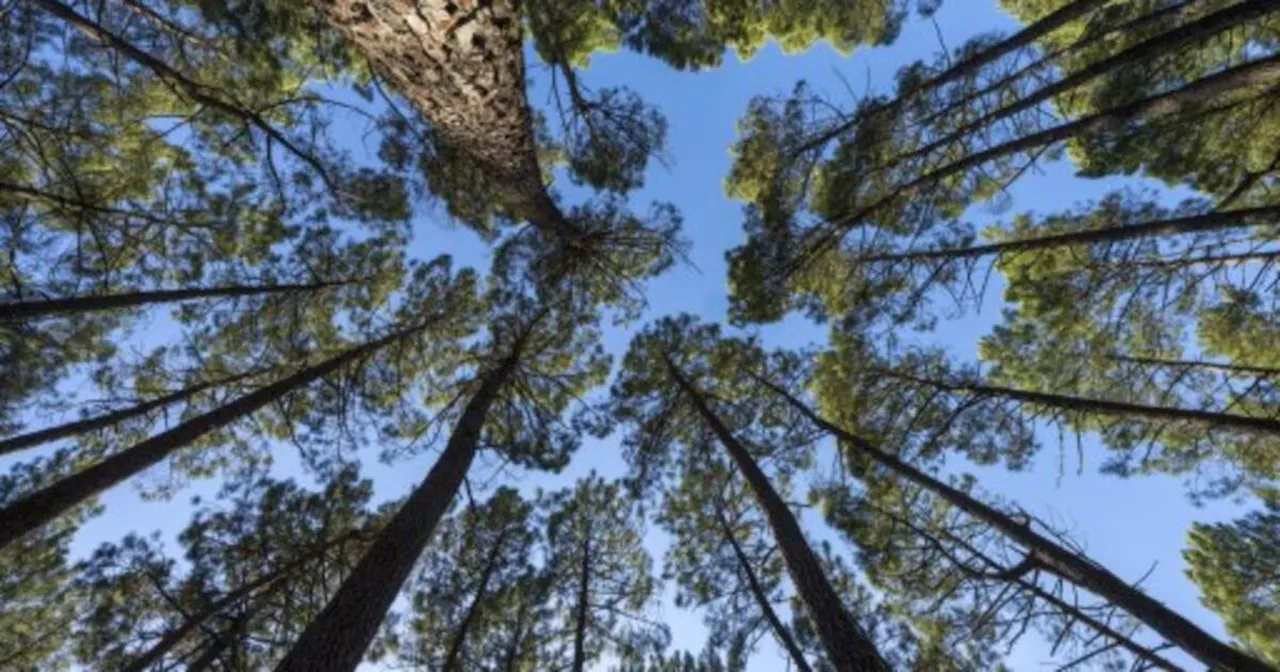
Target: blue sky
column 1127, row 525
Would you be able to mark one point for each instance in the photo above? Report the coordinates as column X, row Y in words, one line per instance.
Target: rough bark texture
column 36, row 438
column 27, row 310
column 848, row 647
column 1073, row 567
column 336, row 640
column 44, row 505
column 780, row 631
column 1210, row 221
column 1100, row 406
column 460, row 63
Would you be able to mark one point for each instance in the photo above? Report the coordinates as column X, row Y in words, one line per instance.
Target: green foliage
column 1234, row 564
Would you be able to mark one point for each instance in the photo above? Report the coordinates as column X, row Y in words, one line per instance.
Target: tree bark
column 44, row 505
column 171, row 638
column 1209, row 221
column 584, row 595
column 1099, row 406
column 1072, row 567
column 482, row 591
column 1051, row 22
column 70, row 429
column 336, row 640
column 1161, row 44
column 460, row 63
column 780, row 631
column 1247, row 75
column 848, row 647
column 28, row 310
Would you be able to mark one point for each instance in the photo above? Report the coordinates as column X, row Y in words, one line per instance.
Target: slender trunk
column 161, row 648
column 848, row 647
column 1220, row 260
column 780, row 631
column 223, row 641
column 44, row 505
column 1247, row 75
column 461, row 65
column 512, row 658
column 1164, row 43
column 206, row 96
column 336, row 640
column 28, row 310
column 1189, row 364
column 70, row 429
column 482, row 592
column 1099, row 406
column 1018, row 576
column 1209, row 221
column 1072, row 567
column 972, row 64
column 584, row 595
column 1173, row 12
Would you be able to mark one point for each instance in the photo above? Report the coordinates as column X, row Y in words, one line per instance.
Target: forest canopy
column 336, row 334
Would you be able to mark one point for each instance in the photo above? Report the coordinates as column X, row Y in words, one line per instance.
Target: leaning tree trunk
column 1164, row 43
column 1252, row 74
column 969, row 66
column 454, row 654
column 44, row 505
column 460, row 63
column 1099, row 406
column 780, row 631
column 1209, row 221
column 29, row 310
column 70, row 429
column 1229, row 368
column 847, row 645
column 1046, row 553
column 336, row 640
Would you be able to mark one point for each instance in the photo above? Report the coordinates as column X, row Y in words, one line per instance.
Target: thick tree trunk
column 43, row 506
column 780, row 631
column 460, row 63
column 1075, row 568
column 583, row 606
column 454, row 654
column 1210, row 221
column 971, row 65
column 28, row 310
column 161, row 648
column 336, row 640
column 1252, row 74
column 1174, row 39
column 848, row 647
column 1099, row 406
column 70, row 429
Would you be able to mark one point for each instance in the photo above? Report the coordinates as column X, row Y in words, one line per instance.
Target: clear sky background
column 1126, row 524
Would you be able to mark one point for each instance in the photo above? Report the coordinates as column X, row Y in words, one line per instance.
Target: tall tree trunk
column 460, row 63
column 583, row 607
column 1174, row 39
column 44, row 505
column 1099, row 406
column 1209, row 221
column 270, row 581
column 1198, row 364
column 780, row 631
column 482, row 591
column 1251, row 74
column 28, row 310
column 971, row 65
column 336, row 640
column 848, row 647
column 70, row 429
column 1073, row 567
